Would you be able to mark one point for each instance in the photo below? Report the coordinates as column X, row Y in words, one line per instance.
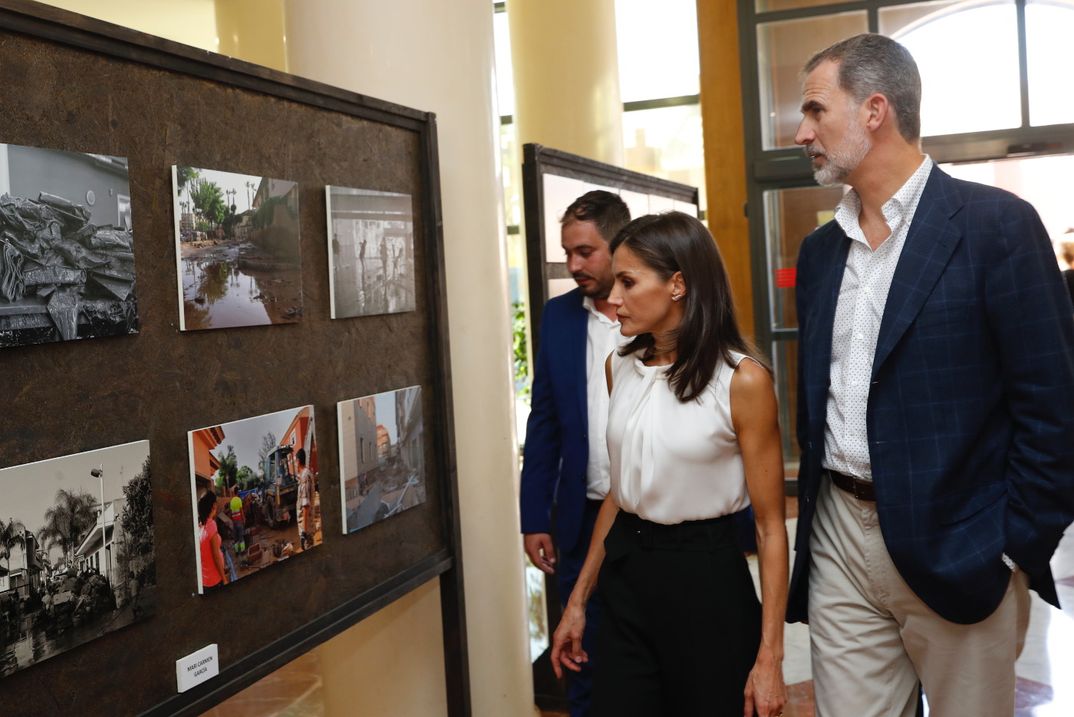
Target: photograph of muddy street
column 66, row 247
column 237, row 249
column 76, row 545
column 382, row 456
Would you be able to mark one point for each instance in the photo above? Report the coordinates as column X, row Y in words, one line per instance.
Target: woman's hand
column 765, row 691
column 567, row 641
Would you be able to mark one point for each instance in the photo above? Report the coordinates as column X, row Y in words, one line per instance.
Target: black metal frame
column 76, row 31
column 537, row 161
column 788, row 168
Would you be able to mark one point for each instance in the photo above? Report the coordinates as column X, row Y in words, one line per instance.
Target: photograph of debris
column 237, row 249
column 76, row 540
column 370, row 252
column 382, row 456
column 66, row 247
column 254, row 494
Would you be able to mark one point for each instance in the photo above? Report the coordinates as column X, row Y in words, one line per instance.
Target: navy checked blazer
column 971, row 408
column 557, row 433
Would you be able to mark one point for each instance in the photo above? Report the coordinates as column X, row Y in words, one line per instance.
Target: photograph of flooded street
column 382, row 456
column 370, row 252
column 254, row 494
column 66, row 246
column 76, row 542
column 237, row 249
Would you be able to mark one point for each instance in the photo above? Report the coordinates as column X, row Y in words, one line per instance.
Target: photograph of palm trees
column 237, row 249
column 370, row 252
column 66, row 246
column 382, row 455
column 253, row 486
column 77, row 549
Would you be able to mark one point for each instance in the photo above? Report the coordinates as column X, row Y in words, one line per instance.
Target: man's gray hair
column 870, row 63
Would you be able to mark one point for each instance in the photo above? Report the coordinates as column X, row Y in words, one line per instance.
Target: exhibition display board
column 223, row 346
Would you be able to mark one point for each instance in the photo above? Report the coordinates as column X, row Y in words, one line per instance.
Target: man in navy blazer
column 935, row 408
column 565, row 464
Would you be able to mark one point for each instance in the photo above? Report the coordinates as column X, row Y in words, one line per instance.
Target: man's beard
column 844, row 160
column 595, row 290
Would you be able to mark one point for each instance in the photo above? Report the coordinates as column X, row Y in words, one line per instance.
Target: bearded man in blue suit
column 935, row 408
column 565, row 465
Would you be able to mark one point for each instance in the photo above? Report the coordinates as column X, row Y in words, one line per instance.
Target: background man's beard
column 595, row 290
column 842, row 162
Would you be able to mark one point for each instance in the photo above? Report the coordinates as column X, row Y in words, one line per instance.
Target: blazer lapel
column 929, row 244
column 823, row 322
column 575, row 355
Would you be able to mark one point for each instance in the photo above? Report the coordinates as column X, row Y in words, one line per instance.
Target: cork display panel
column 156, row 385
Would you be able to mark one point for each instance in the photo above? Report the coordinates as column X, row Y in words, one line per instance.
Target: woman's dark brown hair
column 676, row 242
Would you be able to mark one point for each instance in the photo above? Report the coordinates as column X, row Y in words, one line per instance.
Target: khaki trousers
column 873, row 640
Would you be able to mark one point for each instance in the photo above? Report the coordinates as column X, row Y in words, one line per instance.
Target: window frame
column 788, row 168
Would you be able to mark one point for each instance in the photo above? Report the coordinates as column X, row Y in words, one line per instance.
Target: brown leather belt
column 860, row 489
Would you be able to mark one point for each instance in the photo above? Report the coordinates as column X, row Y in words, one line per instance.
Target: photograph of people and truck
column 255, row 496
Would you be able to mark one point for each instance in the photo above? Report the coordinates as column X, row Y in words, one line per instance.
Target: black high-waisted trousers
column 682, row 622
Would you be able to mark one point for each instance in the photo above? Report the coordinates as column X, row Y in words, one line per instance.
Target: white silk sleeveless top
column 672, row 461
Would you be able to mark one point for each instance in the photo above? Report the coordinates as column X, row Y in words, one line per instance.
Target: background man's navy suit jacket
column 971, row 409
column 557, row 433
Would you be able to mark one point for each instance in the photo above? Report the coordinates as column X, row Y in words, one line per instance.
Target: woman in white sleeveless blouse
column 693, row 438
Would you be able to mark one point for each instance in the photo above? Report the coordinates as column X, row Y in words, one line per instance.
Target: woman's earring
column 676, row 297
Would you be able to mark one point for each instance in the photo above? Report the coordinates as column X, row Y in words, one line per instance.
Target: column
column 567, row 76
column 725, row 153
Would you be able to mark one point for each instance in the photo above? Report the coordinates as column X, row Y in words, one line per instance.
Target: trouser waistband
column 691, row 535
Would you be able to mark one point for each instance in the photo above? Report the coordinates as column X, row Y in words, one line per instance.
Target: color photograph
column 66, row 247
column 237, row 249
column 76, row 544
column 370, row 252
column 382, row 456
column 253, row 487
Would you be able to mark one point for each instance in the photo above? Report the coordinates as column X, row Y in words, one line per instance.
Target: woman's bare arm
column 755, row 417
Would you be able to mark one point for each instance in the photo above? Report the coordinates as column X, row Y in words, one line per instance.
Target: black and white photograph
column 381, row 455
column 370, row 252
column 237, row 249
column 66, row 246
column 253, row 486
column 76, row 544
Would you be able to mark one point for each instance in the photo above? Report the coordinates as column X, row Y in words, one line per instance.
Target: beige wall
column 191, row 22
column 438, row 56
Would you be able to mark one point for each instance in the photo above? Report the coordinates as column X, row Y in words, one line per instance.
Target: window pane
column 657, row 49
column 968, row 58
column 666, row 142
column 774, row 5
column 791, row 214
column 505, row 81
column 1049, row 29
column 785, row 366
column 1044, row 182
column 511, row 156
column 782, row 48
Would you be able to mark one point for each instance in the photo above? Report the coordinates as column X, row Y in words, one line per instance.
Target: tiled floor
column 292, row 691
